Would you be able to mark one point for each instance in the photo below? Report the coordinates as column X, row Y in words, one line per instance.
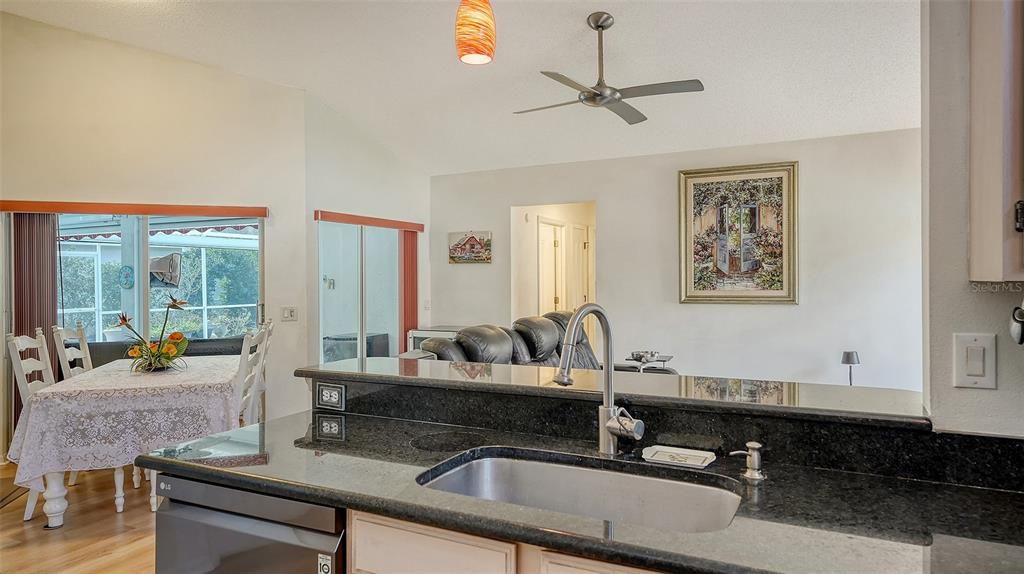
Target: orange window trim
column 27, row 206
column 334, row 217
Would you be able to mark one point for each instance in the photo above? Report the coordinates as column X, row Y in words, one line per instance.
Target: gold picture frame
column 738, row 234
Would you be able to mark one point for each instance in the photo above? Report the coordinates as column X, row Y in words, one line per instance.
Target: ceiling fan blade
column 662, row 88
column 626, row 112
column 569, row 82
column 546, row 107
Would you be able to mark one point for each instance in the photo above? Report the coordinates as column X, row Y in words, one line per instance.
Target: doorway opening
column 552, row 257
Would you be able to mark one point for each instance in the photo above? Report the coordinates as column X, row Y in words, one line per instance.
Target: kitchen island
column 799, row 520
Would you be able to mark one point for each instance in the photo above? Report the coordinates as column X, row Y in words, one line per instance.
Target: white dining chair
column 66, row 355
column 252, row 400
column 249, row 382
column 23, row 368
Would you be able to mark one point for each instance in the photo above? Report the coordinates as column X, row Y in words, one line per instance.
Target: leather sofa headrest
column 445, row 349
column 520, row 351
column 540, row 335
column 485, row 344
column 561, row 319
column 584, row 358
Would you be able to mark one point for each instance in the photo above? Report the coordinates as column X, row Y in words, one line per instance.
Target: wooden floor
column 7, row 489
column 94, row 537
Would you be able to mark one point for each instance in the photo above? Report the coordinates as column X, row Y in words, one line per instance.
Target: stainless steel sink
column 594, row 492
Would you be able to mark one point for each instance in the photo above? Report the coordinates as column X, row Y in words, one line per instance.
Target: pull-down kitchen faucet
column 612, row 421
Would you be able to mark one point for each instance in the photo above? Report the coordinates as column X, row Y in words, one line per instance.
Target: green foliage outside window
column 232, row 278
column 109, row 273
column 78, row 278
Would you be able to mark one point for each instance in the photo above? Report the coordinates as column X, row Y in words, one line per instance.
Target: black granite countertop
column 808, row 401
column 799, row 520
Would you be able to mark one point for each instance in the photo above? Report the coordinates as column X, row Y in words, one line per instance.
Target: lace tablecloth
column 105, row 417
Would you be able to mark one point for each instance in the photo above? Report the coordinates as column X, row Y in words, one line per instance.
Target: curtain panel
column 34, row 283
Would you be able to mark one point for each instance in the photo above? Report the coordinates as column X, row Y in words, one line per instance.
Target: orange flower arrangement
column 161, row 354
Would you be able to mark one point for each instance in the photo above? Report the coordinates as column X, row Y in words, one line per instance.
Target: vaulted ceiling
column 773, row 70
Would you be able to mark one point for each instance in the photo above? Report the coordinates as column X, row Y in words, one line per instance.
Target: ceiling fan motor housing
column 604, row 95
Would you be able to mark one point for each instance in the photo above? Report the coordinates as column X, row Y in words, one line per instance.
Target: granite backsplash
column 845, row 441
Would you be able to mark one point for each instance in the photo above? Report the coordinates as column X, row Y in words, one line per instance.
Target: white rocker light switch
column 975, row 361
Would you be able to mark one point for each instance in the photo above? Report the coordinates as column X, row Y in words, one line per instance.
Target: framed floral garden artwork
column 738, row 234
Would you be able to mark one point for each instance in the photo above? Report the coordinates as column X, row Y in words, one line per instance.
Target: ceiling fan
column 601, row 95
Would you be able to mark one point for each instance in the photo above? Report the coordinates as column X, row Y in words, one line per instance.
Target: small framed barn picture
column 738, row 234
column 469, row 247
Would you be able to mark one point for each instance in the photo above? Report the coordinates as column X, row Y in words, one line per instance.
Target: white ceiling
column 773, row 71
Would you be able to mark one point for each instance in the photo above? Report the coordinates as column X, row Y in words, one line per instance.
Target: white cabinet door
column 380, row 545
column 534, row 560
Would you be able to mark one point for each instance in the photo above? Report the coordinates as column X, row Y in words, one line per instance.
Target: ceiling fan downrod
column 600, row 21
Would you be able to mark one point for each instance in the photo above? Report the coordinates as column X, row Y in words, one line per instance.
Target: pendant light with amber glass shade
column 474, row 32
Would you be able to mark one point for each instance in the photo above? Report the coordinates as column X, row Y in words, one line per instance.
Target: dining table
column 105, row 417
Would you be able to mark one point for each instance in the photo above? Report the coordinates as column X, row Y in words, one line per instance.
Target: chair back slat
column 31, row 365
column 24, row 367
column 67, row 355
column 23, row 342
column 73, row 353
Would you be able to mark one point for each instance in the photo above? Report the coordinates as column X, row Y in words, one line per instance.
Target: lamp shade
column 850, row 358
column 475, row 35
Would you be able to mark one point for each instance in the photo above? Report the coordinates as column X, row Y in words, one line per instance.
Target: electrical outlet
column 289, row 313
column 426, row 304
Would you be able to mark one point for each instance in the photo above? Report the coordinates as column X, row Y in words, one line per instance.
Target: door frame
column 577, row 230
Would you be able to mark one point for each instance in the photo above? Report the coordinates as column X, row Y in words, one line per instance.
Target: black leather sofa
column 530, row 341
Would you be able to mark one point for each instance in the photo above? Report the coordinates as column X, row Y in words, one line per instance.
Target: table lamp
column 850, row 358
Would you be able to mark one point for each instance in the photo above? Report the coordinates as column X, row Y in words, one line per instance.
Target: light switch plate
column 974, row 360
column 289, row 313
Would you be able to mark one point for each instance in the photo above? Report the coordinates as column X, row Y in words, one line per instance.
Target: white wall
column 955, row 305
column 859, row 246
column 86, row 119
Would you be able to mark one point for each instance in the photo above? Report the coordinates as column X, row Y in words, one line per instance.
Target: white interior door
column 549, row 273
column 577, row 276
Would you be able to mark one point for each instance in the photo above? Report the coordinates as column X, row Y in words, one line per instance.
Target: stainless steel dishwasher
column 203, row 528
